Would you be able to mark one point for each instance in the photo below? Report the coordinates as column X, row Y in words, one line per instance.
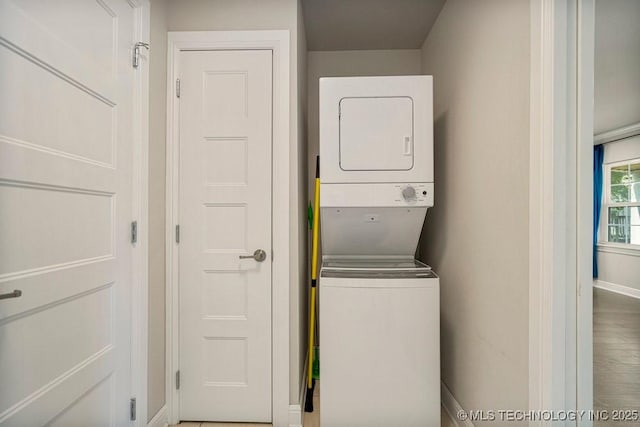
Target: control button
column 409, row 193
column 424, row 193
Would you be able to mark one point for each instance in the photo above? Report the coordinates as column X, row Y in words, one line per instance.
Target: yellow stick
column 314, row 268
column 316, row 219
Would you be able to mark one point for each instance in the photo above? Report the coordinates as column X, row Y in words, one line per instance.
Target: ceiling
column 368, row 24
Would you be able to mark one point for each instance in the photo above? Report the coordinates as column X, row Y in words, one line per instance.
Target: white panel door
column 225, row 214
column 66, row 97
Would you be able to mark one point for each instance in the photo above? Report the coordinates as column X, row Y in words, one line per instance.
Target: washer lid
column 375, row 269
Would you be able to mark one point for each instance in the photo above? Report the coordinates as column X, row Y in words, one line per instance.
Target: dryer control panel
column 413, row 194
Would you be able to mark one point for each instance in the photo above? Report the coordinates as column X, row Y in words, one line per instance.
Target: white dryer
column 376, row 129
column 379, row 308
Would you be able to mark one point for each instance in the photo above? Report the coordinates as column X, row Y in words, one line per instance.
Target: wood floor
column 616, row 353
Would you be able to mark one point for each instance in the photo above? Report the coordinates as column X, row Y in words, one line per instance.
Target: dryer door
column 376, row 133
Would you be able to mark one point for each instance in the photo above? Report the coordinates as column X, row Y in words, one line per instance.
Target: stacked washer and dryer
column 379, row 307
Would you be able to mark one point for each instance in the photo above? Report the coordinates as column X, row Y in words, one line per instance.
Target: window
column 622, row 202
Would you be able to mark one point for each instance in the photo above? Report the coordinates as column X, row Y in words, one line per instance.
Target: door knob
column 259, row 255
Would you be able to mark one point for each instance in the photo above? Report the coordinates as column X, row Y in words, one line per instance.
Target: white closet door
column 66, row 97
column 225, row 213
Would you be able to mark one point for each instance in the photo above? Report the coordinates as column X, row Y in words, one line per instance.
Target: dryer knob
column 409, row 193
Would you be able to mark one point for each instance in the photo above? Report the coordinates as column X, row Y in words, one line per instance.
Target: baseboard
column 295, row 415
column 619, row 289
column 296, row 411
column 160, row 419
column 452, row 407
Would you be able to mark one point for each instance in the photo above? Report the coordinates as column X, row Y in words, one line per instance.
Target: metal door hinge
column 132, row 409
column 136, row 53
column 579, row 289
column 178, row 88
column 177, row 234
column 177, row 380
column 134, row 231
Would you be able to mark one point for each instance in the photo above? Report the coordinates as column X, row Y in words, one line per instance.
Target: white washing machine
column 379, row 308
column 379, row 340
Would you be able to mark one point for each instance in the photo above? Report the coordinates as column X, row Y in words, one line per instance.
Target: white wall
column 206, row 15
column 476, row 235
column 621, row 269
column 157, row 141
column 617, row 64
column 350, row 63
column 619, row 151
column 614, row 266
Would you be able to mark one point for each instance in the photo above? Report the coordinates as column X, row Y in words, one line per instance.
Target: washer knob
column 409, row 193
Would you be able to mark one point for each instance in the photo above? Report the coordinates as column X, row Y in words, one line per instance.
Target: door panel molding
column 278, row 42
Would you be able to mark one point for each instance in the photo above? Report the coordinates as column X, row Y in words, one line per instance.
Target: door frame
column 560, row 206
column 140, row 213
column 278, row 42
column 585, row 96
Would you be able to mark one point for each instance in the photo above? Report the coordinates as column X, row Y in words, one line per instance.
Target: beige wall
column 206, row 15
column 157, row 141
column 476, row 236
column 617, row 64
column 350, row 63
